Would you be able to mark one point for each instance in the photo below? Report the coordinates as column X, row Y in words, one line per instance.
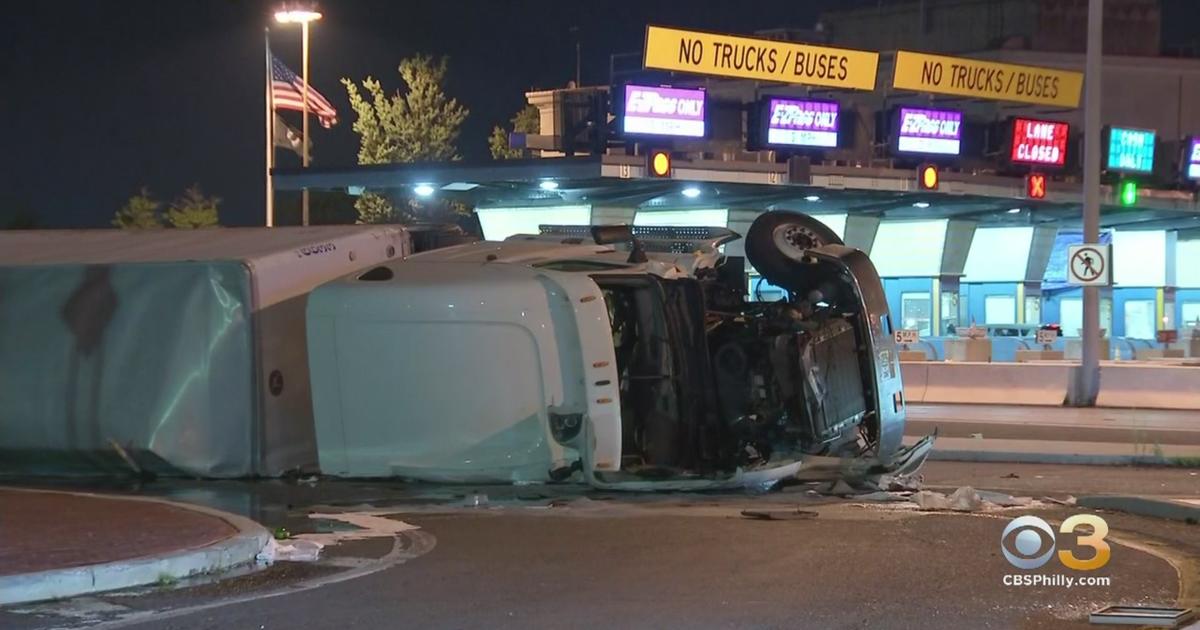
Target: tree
column 139, row 213
column 528, row 120
column 193, row 210
column 376, row 208
column 421, row 124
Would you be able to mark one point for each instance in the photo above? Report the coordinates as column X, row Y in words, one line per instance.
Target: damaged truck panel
column 882, row 357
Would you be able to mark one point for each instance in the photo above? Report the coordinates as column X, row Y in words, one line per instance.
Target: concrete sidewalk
column 62, row 544
column 1038, row 434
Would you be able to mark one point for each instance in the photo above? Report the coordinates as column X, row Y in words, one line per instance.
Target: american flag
column 286, row 94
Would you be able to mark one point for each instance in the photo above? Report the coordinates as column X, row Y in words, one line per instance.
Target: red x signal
column 1035, row 186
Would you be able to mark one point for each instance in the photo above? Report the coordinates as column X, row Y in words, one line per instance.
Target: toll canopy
column 166, row 350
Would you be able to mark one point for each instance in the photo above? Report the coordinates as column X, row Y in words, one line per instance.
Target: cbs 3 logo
column 1033, row 542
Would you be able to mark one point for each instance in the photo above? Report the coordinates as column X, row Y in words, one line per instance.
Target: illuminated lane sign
column 761, row 59
column 1130, row 150
column 962, row 76
column 660, row 111
column 1041, row 142
column 931, row 131
column 802, row 123
column 1191, row 159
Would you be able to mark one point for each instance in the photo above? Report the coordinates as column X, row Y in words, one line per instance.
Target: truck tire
column 778, row 238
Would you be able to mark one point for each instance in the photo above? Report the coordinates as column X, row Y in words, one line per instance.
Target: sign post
column 1086, row 384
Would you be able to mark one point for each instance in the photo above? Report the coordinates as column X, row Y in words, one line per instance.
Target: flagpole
column 270, row 122
column 304, row 142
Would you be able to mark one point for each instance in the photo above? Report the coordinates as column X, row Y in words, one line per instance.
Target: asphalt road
column 680, row 561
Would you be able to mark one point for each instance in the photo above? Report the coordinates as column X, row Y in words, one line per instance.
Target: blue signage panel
column 1130, row 150
column 1191, row 159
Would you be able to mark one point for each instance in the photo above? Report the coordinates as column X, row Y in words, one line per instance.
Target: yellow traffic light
column 659, row 163
column 927, row 177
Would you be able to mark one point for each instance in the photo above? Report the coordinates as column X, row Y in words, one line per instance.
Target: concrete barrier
column 1149, row 386
column 1025, row 356
column 915, row 376
column 989, row 383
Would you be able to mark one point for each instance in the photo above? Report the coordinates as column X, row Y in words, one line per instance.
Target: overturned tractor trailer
column 628, row 358
column 168, row 351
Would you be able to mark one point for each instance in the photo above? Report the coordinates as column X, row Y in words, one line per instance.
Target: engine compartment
column 711, row 382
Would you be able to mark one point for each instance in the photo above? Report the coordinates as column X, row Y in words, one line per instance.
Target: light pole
column 302, row 17
column 1087, row 384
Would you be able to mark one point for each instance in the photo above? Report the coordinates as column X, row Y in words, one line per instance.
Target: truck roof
column 109, row 246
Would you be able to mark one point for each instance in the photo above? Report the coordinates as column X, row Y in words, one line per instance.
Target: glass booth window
column 1139, row 319
column 916, row 311
column 1071, row 316
column 1000, row 309
column 1033, row 309
column 949, row 313
column 1190, row 312
column 682, row 218
column 500, row 223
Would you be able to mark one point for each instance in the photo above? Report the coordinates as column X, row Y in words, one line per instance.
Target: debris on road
column 884, row 496
column 778, row 515
column 965, row 499
column 1003, row 500
column 295, row 551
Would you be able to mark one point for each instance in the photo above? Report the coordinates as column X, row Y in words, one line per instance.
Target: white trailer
column 167, row 350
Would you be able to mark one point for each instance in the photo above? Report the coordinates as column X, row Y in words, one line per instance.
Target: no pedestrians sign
column 1089, row 265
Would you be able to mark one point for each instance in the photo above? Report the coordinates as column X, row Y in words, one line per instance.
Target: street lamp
column 303, row 16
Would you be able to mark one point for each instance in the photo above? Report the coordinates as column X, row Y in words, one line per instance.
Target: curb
column 239, row 549
column 1154, row 508
column 1015, row 457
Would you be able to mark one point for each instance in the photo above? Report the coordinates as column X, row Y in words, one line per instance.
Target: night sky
column 103, row 97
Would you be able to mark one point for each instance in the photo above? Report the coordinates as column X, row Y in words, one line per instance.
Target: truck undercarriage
column 713, row 383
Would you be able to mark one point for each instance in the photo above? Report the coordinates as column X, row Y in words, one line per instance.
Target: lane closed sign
column 762, row 59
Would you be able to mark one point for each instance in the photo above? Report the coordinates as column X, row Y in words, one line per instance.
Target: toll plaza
column 960, row 177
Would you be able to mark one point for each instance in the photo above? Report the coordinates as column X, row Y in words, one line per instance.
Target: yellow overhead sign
column 763, row 59
column 986, row 79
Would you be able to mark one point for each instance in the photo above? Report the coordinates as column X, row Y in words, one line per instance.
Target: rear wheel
column 778, row 239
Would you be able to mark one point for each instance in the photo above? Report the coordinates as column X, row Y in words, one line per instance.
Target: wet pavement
column 549, row 556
